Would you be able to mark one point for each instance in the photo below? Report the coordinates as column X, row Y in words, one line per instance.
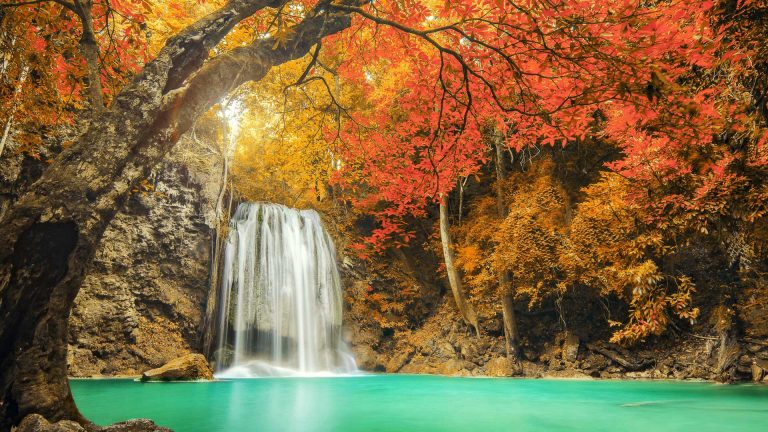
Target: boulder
column 135, row 425
column 498, row 367
column 366, row 358
column 455, row 367
column 188, row 367
column 759, row 370
column 38, row 423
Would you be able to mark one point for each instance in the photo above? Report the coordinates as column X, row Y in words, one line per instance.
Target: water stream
column 280, row 309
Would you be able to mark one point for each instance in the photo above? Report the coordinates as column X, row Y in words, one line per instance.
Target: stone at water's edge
column 759, row 370
column 38, row 423
column 188, row 367
column 498, row 367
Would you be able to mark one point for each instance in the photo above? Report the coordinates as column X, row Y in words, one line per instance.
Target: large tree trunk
column 49, row 236
column 506, row 287
column 90, row 49
column 454, row 279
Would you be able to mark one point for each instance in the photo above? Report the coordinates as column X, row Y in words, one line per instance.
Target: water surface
column 427, row 403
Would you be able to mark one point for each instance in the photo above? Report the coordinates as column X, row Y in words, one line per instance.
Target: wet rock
column 366, row 358
column 188, row 367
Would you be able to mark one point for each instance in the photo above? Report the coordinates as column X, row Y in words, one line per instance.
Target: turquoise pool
column 427, row 403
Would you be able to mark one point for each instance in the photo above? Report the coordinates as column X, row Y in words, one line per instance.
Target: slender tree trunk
column 51, row 233
column 12, row 111
column 6, row 133
column 454, row 279
column 506, row 286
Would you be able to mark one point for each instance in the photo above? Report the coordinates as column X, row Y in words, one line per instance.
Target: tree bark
column 511, row 334
column 506, row 287
column 12, row 111
column 454, row 279
column 50, row 235
column 90, row 49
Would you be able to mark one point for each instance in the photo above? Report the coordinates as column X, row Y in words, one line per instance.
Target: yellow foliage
column 598, row 246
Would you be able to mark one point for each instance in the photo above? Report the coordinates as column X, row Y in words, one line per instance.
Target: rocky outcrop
column 37, row 423
column 442, row 345
column 187, row 368
column 142, row 302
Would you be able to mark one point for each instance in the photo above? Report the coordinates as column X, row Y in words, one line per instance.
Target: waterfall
column 280, row 307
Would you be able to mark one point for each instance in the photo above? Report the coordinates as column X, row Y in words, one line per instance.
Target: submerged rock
column 188, row 367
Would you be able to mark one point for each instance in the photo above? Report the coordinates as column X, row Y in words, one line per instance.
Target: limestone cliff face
column 142, row 301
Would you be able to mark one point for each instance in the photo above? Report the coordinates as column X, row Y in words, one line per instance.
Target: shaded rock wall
column 726, row 344
column 142, row 302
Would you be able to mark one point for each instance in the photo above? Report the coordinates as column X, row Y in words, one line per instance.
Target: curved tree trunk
column 454, row 279
column 506, row 287
column 50, row 235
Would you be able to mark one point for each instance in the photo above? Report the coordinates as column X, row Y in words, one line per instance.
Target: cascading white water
column 280, row 307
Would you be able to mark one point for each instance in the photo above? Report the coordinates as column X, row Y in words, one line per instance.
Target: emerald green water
column 427, row 403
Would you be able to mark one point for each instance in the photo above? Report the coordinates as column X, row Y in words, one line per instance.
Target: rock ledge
column 186, row 368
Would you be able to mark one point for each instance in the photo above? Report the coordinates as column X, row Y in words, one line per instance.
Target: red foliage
column 543, row 73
